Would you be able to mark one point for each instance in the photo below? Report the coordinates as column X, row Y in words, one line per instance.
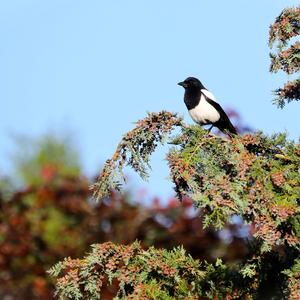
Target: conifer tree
column 253, row 176
column 287, row 57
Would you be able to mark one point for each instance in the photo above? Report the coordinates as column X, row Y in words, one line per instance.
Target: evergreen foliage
column 52, row 217
column 253, row 176
column 135, row 150
column 282, row 32
column 152, row 274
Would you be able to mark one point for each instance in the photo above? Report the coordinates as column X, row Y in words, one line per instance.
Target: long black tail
column 223, row 123
column 226, row 127
column 230, row 128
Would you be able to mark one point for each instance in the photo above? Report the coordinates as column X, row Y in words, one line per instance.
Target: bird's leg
column 208, row 130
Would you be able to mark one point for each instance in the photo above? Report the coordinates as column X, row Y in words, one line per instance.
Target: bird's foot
column 207, row 134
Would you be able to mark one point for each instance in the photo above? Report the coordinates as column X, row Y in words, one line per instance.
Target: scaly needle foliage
column 285, row 28
column 254, row 176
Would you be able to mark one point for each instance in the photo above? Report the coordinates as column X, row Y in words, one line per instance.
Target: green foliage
column 135, row 149
column 287, row 58
column 235, row 177
column 255, row 176
column 289, row 92
column 286, row 26
column 38, row 160
column 42, row 223
column 139, row 274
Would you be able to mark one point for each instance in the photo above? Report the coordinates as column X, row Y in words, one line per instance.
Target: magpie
column 203, row 107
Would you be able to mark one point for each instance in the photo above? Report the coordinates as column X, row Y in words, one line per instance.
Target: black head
column 191, row 83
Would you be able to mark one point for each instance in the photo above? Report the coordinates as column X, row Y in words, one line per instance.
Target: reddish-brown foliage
column 42, row 224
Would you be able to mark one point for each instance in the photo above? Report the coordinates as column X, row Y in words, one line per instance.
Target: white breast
column 204, row 113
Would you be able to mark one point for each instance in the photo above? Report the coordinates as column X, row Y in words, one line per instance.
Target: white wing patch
column 204, row 113
column 208, row 94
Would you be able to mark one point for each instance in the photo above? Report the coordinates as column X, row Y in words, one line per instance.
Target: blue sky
column 95, row 67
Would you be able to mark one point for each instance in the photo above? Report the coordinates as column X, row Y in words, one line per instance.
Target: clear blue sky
column 97, row 66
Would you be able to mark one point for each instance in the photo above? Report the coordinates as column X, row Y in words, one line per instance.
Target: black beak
column 181, row 84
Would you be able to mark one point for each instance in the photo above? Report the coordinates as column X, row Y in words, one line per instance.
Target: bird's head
column 191, row 83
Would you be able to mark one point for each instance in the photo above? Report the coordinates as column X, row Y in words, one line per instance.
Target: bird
column 203, row 107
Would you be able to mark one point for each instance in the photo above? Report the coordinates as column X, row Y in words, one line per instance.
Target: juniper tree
column 254, row 176
column 287, row 57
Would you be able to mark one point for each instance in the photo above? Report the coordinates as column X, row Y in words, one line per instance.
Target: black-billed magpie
column 203, row 108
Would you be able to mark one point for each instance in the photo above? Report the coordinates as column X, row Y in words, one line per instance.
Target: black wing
column 223, row 123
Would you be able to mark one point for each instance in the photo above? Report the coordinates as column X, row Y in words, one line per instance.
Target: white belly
column 204, row 113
